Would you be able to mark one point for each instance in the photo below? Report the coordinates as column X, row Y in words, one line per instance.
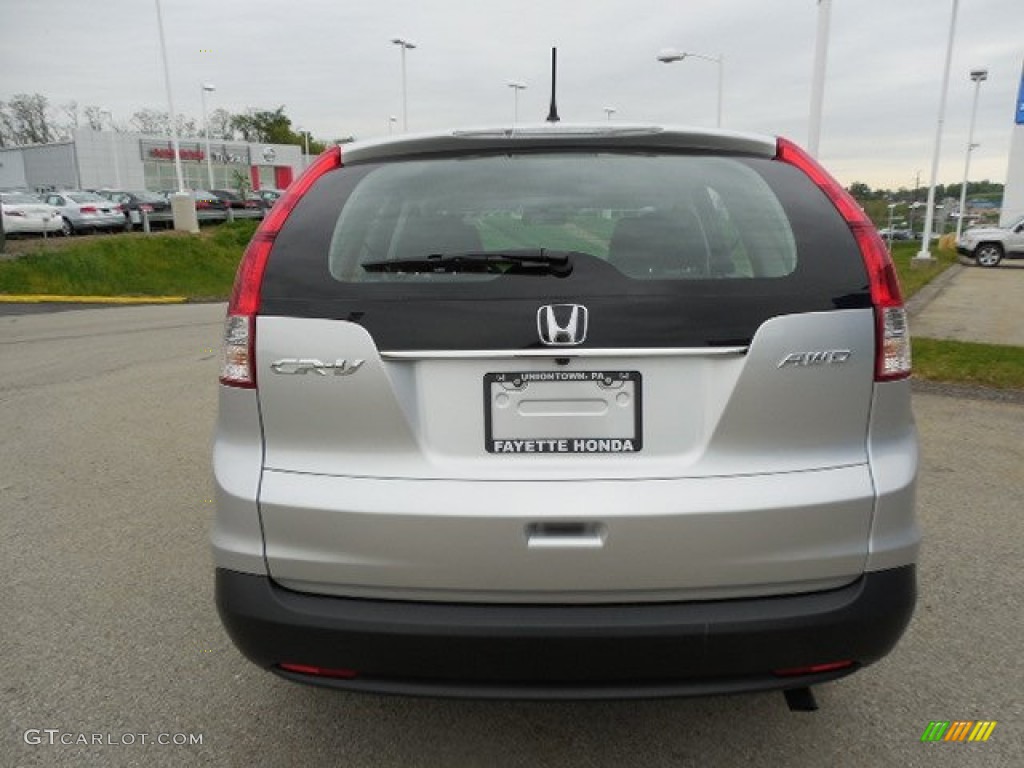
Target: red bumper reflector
column 308, row 669
column 813, row 669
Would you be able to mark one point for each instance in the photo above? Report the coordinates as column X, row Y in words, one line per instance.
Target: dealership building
column 1013, row 196
column 134, row 161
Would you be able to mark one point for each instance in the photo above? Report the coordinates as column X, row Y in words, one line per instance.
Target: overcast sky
column 333, row 67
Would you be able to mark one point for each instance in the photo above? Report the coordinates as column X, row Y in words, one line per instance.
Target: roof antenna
column 553, row 112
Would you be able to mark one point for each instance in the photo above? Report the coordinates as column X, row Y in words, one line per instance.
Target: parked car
column 896, row 233
column 268, row 196
column 155, row 206
column 241, row 207
column 660, row 444
column 209, row 207
column 25, row 213
column 988, row 246
column 85, row 211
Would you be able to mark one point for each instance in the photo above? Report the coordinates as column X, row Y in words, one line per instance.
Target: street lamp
column 170, row 100
column 669, row 55
column 924, row 256
column 818, row 79
column 891, row 207
column 183, row 207
column 978, row 76
column 305, row 139
column 609, row 111
column 207, row 88
column 404, row 45
column 113, row 148
column 516, row 87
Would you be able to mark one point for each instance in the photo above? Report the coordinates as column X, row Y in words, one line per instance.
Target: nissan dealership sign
column 225, row 154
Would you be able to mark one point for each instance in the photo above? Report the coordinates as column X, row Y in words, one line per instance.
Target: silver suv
column 566, row 411
column 990, row 245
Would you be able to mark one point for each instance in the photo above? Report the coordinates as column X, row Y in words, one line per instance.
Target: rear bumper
column 567, row 651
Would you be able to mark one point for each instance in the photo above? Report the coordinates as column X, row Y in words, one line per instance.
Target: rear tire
column 66, row 229
column 988, row 254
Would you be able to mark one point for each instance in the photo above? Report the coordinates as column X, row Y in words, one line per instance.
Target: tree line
column 29, row 118
column 985, row 188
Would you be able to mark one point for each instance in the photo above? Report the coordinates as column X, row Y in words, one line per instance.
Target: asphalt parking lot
column 108, row 624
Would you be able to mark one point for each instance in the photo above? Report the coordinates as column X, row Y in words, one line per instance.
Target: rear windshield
column 649, row 217
column 664, row 249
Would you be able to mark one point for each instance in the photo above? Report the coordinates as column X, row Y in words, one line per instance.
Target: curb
column 56, row 299
column 916, row 303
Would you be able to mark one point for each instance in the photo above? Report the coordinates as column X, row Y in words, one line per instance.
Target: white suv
column 566, row 411
column 990, row 245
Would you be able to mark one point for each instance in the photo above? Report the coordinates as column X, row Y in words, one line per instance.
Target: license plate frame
column 561, row 401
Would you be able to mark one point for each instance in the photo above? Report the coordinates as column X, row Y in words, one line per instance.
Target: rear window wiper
column 539, row 261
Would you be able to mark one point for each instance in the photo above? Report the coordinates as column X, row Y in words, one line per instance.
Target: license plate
column 566, row 412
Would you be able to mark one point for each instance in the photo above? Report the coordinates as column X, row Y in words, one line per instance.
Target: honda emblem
column 562, row 325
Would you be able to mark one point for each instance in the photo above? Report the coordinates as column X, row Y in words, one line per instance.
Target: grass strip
column 988, row 365
column 915, row 277
column 172, row 264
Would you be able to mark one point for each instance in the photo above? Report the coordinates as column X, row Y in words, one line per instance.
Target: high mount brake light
column 238, row 368
column 892, row 336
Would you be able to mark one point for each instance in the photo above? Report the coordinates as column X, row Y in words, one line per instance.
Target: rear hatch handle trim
column 509, row 354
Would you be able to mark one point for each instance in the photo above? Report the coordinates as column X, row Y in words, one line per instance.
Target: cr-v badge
column 562, row 325
column 308, row 365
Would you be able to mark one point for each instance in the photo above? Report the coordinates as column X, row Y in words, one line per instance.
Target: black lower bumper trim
column 567, row 651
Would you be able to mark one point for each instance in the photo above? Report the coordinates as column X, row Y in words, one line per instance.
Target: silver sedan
column 24, row 213
column 84, row 211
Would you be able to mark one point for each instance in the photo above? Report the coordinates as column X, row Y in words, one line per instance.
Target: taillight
column 814, row 669
column 146, row 208
column 308, row 669
column 892, row 336
column 88, row 209
column 238, row 368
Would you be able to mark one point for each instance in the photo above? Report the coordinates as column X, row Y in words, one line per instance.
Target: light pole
column 892, row 208
column 170, row 100
column 914, row 205
column 207, row 88
column 183, row 206
column 669, row 55
column 924, row 256
column 516, row 87
column 113, row 148
column 978, row 76
column 305, row 139
column 609, row 111
column 818, row 79
column 404, row 45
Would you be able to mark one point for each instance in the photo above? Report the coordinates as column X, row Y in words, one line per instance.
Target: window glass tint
column 651, row 217
column 88, row 197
